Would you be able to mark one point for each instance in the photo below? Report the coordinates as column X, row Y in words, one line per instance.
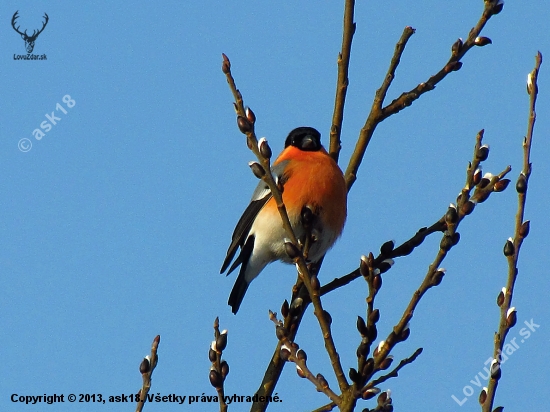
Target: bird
column 309, row 178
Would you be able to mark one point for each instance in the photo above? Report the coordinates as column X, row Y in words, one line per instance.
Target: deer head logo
column 29, row 40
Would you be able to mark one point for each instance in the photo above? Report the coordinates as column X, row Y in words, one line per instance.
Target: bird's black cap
column 304, row 138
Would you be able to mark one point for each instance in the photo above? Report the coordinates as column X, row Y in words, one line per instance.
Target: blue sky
column 114, row 225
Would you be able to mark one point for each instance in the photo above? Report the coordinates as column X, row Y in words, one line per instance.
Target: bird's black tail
column 238, row 291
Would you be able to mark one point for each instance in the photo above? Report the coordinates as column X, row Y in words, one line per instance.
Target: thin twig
column 482, row 187
column 146, row 368
column 508, row 315
column 454, row 216
column 220, row 368
column 276, row 364
column 379, row 113
column 293, row 353
column 246, row 125
column 394, row 373
column 402, row 250
column 342, row 80
column 374, row 116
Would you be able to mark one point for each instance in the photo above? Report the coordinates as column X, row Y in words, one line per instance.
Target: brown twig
column 275, row 367
column 379, row 113
column 219, row 368
column 146, row 368
column 342, row 81
column 394, row 372
column 484, row 187
column 402, row 250
column 508, row 315
column 374, row 116
column 290, row 351
column 367, row 367
column 276, row 364
column 371, row 387
column 245, row 121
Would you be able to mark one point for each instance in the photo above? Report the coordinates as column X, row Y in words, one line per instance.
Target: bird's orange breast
column 314, row 179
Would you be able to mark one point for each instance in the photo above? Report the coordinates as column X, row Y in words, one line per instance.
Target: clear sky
column 114, row 225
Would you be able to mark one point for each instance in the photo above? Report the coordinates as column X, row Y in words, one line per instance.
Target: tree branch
column 379, row 113
column 402, row 250
column 484, row 187
column 343, row 80
column 146, row 368
column 246, row 120
column 508, row 315
column 394, row 373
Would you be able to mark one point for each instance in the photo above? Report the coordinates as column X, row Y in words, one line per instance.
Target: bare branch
column 453, row 217
column 343, row 80
column 394, row 373
column 220, row 368
column 512, row 247
column 146, row 368
column 402, row 250
column 379, row 113
column 246, row 122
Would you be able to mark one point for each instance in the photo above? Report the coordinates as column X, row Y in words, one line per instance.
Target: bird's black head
column 304, row 138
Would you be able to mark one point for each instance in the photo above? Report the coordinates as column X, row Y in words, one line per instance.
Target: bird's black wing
column 260, row 197
column 243, row 227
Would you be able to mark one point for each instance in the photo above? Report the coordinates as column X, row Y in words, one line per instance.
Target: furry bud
column 482, row 41
column 226, row 64
column 244, row 125
column 451, row 216
column 257, row 169
column 216, row 379
column 250, row 115
column 477, row 177
column 511, row 317
column 509, row 248
column 387, row 247
column 483, row 396
column 482, row 153
column 453, row 66
column 145, row 366
column 498, row 7
column 354, row 375
column 500, row 297
column 501, row 185
column 456, row 47
column 495, row 370
column 386, row 363
column 300, row 372
column 524, row 229
column 362, row 326
column 468, row 207
column 264, row 148
column 370, row 393
column 224, row 368
column 285, row 308
column 521, row 184
column 291, row 250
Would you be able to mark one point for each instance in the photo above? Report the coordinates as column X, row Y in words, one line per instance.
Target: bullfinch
column 309, row 178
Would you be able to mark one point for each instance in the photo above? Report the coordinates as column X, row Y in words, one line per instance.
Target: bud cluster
column 149, row 362
column 220, row 368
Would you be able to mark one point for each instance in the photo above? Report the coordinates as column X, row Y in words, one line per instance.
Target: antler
column 35, row 35
column 15, row 16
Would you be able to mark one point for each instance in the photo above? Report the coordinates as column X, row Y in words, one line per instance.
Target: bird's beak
column 308, row 143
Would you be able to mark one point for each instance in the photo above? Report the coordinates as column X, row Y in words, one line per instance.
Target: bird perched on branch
column 310, row 179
